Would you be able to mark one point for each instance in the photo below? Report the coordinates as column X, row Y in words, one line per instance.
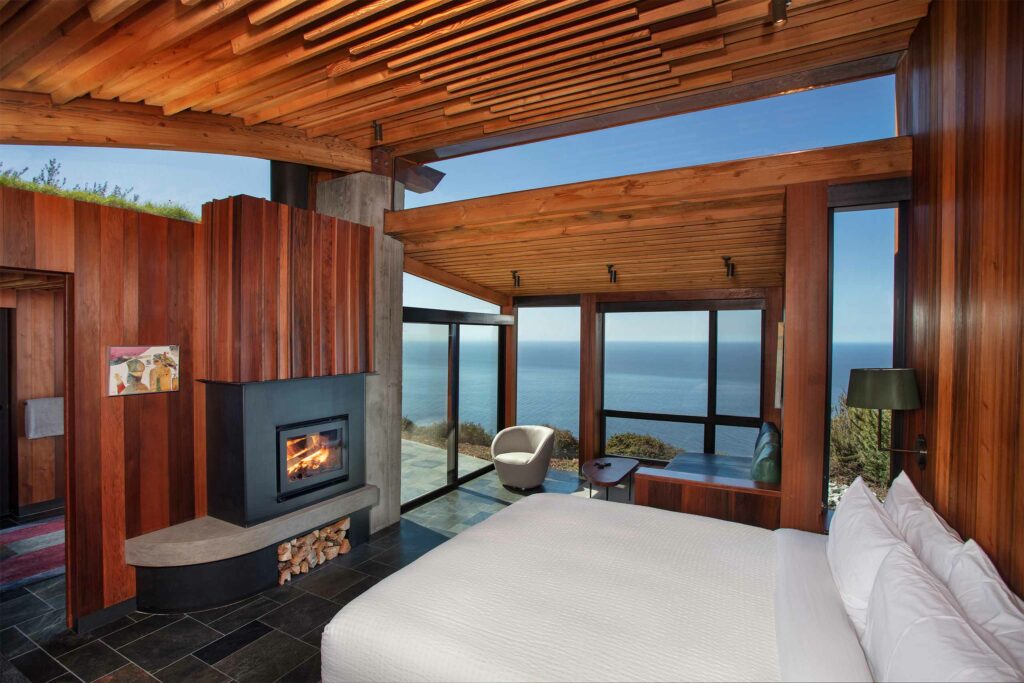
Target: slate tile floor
column 273, row 636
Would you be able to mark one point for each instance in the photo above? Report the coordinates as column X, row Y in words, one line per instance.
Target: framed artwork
column 135, row 370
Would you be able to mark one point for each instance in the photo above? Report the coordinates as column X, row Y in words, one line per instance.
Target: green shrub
column 854, row 451
column 50, row 181
column 473, row 433
column 640, row 445
column 566, row 445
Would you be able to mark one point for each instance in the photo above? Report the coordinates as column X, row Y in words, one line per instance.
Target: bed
column 562, row 588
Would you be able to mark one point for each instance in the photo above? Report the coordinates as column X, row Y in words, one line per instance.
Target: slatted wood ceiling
column 432, row 72
column 666, row 230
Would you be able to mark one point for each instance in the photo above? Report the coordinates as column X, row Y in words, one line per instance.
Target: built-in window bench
column 716, row 494
column 207, row 562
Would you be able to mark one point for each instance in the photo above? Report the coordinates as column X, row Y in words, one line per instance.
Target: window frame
column 713, row 418
column 454, row 320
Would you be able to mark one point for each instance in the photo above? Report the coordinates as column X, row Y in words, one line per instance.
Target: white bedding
column 561, row 588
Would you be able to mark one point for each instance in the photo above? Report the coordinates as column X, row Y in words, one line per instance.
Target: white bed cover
column 562, row 588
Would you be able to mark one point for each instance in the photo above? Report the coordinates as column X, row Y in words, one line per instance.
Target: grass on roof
column 50, row 181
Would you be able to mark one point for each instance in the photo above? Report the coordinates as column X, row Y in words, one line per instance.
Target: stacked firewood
column 299, row 555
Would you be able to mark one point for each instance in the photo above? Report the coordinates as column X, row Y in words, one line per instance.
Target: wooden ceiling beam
column 356, row 15
column 887, row 158
column 271, row 9
column 103, row 11
column 125, row 48
column 259, row 35
column 459, row 284
column 428, row 149
column 30, row 26
column 27, row 118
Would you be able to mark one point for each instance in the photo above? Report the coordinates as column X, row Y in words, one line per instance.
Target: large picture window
column 681, row 378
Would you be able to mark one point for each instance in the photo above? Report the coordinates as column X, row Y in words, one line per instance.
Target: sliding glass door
column 681, row 378
column 451, row 390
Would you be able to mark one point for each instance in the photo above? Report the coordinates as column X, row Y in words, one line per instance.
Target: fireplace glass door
column 312, row 455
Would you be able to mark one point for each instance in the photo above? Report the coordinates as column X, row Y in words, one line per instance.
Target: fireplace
column 311, row 455
column 274, row 447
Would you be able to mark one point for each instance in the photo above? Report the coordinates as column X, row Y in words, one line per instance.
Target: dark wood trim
column 547, row 301
column 411, row 314
column 591, row 364
column 805, row 80
column 734, row 500
column 417, row 177
column 692, row 305
column 721, row 295
column 869, row 194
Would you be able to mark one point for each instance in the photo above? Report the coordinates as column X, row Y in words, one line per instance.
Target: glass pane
column 420, row 293
column 548, row 383
column 424, row 409
column 652, row 439
column 656, row 362
column 739, row 363
column 836, row 115
column 478, row 395
column 862, row 321
column 736, row 442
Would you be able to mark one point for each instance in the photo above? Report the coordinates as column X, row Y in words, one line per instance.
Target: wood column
column 805, row 356
column 591, row 398
column 510, row 365
column 363, row 198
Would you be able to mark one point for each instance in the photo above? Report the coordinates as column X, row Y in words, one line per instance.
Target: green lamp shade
column 883, row 388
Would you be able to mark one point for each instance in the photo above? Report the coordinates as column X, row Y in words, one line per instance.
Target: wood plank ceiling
column 665, row 230
column 432, row 73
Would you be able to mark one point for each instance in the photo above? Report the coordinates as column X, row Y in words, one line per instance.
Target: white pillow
column 916, row 632
column 859, row 538
column 934, row 541
column 987, row 601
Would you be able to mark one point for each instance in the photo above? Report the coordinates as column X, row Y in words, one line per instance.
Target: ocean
column 641, row 376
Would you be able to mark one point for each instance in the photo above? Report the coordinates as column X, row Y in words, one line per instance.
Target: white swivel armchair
column 522, row 454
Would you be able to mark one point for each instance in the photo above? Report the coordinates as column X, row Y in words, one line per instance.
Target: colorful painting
column 142, row 370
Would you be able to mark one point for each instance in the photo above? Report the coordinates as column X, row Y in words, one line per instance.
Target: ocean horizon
column 666, row 377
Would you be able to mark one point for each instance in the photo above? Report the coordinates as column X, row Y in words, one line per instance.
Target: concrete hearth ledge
column 208, row 539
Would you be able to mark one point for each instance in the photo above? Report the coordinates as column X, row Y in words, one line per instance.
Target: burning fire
column 311, row 454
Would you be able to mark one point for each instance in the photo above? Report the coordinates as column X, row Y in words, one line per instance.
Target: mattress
column 562, row 588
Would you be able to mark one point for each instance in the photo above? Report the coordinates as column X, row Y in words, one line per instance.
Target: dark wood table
column 612, row 475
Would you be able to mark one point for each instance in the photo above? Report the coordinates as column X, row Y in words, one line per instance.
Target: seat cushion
column 514, row 458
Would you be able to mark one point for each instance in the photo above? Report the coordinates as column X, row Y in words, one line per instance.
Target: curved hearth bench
column 207, row 562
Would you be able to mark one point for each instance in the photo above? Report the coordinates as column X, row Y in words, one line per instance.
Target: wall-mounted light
column 779, row 7
column 887, row 389
column 613, row 277
column 730, row 267
column 515, row 279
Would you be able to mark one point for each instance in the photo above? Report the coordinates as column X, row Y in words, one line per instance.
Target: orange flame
column 308, row 455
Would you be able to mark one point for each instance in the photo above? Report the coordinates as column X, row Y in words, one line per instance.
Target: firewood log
column 285, row 575
column 345, row 546
column 285, row 555
column 331, row 552
column 304, row 567
column 345, row 524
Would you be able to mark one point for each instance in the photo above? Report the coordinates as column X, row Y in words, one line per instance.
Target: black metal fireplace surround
column 274, row 447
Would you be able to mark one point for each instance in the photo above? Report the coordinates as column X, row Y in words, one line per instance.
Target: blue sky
column 864, row 110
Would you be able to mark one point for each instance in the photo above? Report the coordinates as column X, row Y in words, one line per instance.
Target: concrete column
column 363, row 198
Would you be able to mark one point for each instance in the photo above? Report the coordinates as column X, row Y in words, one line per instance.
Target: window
column 548, row 376
column 682, row 381
column 863, row 295
column 450, row 376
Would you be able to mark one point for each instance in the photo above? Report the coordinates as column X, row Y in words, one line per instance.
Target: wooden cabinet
column 734, row 500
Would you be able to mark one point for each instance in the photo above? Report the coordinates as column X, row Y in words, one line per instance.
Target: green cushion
column 766, row 466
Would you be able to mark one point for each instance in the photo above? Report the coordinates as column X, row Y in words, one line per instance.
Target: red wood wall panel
column 290, row 292
column 38, row 373
column 222, row 291
column 960, row 96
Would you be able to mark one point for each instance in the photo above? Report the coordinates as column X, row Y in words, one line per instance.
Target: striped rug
column 31, row 552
